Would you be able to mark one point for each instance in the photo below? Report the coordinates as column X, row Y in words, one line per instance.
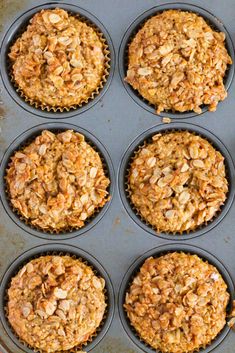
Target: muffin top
column 177, row 303
column 56, row 303
column 177, row 62
column 57, row 182
column 59, row 60
column 177, row 182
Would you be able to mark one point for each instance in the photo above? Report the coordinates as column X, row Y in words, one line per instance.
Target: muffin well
column 177, row 303
column 177, row 182
column 59, row 61
column 177, row 62
column 57, row 182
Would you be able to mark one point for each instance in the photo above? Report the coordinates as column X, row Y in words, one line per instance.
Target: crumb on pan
column 177, row 303
column 231, row 322
column 177, row 182
column 58, row 181
column 59, row 60
column 178, row 62
column 56, row 303
column 166, row 120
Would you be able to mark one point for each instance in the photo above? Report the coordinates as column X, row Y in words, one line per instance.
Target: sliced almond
column 184, row 197
column 29, row 267
column 58, row 70
column 65, row 40
column 93, row 172
column 151, row 162
column 42, row 150
column 193, row 151
column 184, row 168
column 145, row 71
column 50, row 308
column 170, row 214
column 60, row 293
column 198, row 163
column 96, row 283
column 61, row 314
column 54, row 18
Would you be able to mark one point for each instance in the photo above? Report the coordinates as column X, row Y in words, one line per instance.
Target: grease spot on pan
column 12, row 243
column 8, row 9
column 3, row 143
column 116, row 222
column 114, row 345
column 227, row 239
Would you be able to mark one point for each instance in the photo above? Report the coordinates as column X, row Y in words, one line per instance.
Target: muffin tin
column 115, row 125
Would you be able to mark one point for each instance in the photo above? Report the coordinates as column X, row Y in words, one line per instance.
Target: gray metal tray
column 114, row 123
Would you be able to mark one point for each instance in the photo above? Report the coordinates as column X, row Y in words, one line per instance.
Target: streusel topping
column 58, row 181
column 56, row 303
column 177, row 182
column 59, row 60
column 178, row 62
column 177, row 303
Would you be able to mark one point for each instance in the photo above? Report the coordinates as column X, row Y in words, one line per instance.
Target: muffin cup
column 157, row 252
column 58, row 249
column 138, row 23
column 124, row 173
column 43, row 110
column 25, row 139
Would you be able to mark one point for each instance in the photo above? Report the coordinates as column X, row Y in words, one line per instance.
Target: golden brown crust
column 56, row 303
column 177, row 182
column 177, row 303
column 58, row 181
column 177, row 62
column 59, row 60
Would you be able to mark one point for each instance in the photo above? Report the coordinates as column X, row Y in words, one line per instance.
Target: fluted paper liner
column 67, row 230
column 128, row 190
column 92, row 336
column 48, row 108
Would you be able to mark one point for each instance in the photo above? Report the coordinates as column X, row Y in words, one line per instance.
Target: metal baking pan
column 115, row 123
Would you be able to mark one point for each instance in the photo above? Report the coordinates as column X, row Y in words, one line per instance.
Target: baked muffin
column 177, row 182
column 177, row 303
column 59, row 61
column 177, row 62
column 55, row 303
column 57, row 182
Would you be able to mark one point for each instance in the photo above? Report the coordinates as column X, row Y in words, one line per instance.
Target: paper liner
column 130, row 282
column 128, row 190
column 48, row 108
column 138, row 27
column 27, row 221
column 85, row 262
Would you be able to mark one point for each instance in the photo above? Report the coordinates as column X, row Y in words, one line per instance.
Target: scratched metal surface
column 116, row 241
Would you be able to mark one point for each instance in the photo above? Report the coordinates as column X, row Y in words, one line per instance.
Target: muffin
column 231, row 322
column 177, row 303
column 55, row 303
column 177, row 62
column 59, row 61
column 57, row 182
column 177, row 182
